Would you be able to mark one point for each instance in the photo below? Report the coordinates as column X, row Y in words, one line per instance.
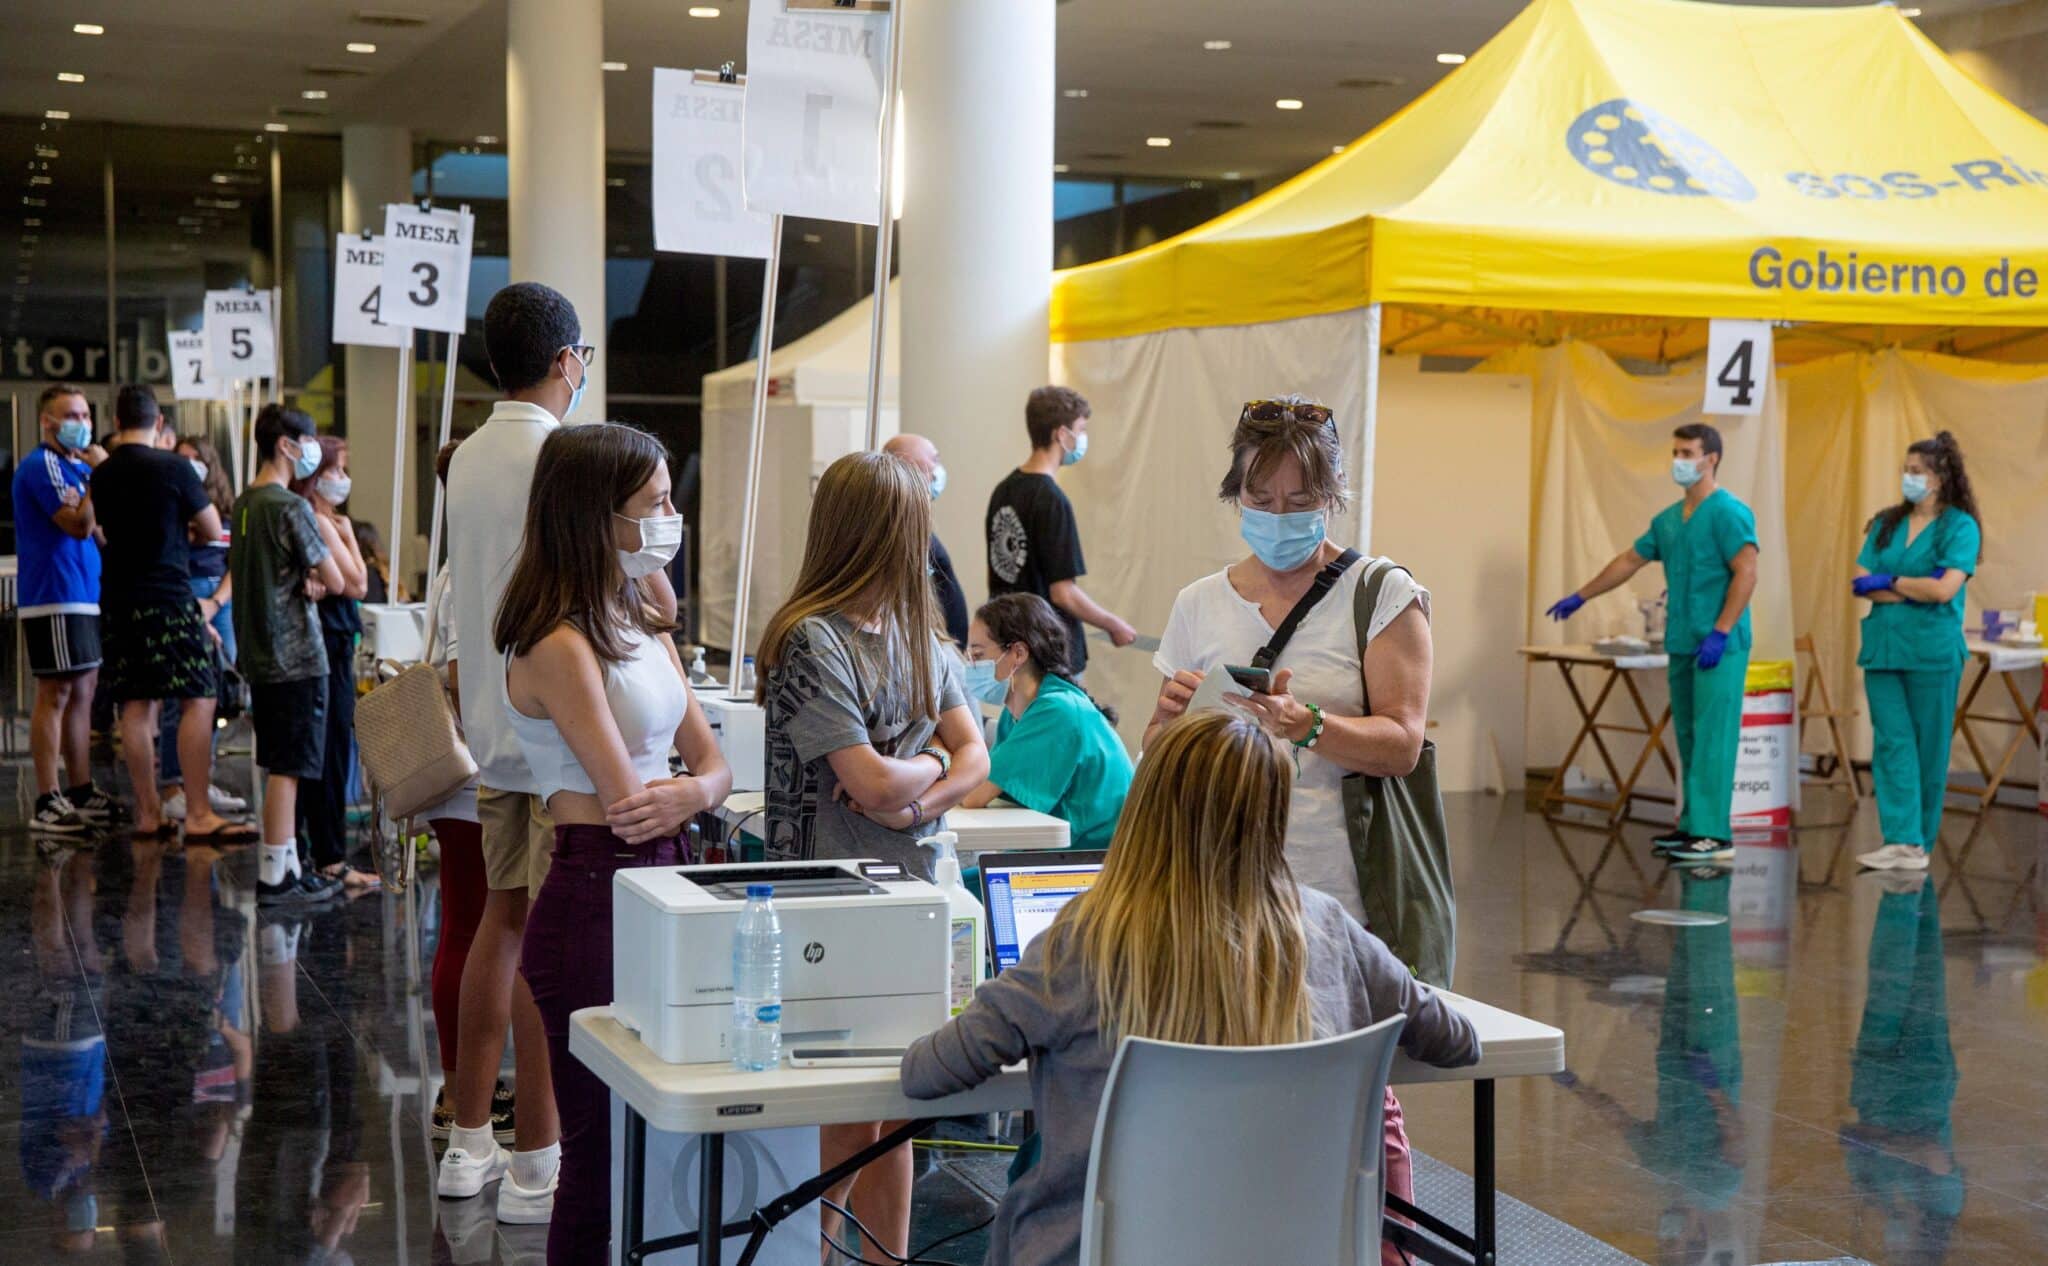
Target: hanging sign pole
column 399, row 427
column 885, row 224
column 750, row 501
column 447, row 425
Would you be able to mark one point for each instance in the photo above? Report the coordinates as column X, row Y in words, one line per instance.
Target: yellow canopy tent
column 1607, row 171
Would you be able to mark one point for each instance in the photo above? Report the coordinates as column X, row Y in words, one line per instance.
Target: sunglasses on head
column 1283, row 411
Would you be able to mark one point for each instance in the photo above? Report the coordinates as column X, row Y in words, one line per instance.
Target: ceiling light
column 703, row 10
column 1451, row 59
column 487, row 140
column 70, row 77
column 1232, row 175
column 87, row 28
column 812, row 239
column 46, row 151
column 1336, row 149
column 357, row 47
column 1059, row 169
column 221, row 178
column 611, row 65
column 1216, row 46
column 31, row 223
column 1073, row 94
column 56, row 114
column 314, row 94
column 277, row 127
column 615, row 182
column 38, row 180
column 34, row 202
column 1159, row 142
column 1911, row 13
column 1287, row 103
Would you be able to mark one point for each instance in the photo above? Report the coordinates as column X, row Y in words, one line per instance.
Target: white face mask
column 334, row 489
column 660, row 537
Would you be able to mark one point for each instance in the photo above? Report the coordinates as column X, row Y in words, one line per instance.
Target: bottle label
column 960, row 978
column 769, row 1013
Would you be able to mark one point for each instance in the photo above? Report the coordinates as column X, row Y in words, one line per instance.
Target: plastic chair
column 1221, row 1155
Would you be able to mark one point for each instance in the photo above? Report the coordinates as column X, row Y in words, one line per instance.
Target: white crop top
column 647, row 699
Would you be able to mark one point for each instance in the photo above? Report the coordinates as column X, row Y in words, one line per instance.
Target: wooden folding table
column 1611, row 671
column 1990, row 659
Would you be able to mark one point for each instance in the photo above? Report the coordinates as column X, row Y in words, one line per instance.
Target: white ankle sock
column 476, row 1140
column 280, row 862
column 536, row 1169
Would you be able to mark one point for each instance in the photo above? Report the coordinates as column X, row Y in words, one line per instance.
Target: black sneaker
column 1702, row 850
column 307, row 888
column 93, row 804
column 55, row 815
column 502, row 1106
column 1670, row 841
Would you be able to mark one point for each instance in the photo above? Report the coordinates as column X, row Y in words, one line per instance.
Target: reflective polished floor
column 1809, row 1065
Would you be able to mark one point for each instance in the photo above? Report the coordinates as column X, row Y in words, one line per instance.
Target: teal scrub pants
column 1914, row 716
column 1706, row 714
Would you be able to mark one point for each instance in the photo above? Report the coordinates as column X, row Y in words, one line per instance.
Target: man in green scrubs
column 1707, row 543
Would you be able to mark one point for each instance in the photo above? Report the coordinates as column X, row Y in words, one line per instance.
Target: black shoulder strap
column 1325, row 580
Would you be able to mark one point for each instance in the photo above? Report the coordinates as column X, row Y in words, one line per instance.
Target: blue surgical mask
column 1282, row 541
column 1685, row 471
column 576, row 395
column 1078, row 451
column 983, row 684
column 308, row 460
column 1915, row 487
column 938, row 480
column 73, row 434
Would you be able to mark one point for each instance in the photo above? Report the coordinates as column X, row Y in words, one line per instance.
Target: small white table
column 712, row 1100
column 998, row 828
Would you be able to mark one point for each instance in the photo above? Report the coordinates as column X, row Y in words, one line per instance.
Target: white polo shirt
column 488, row 481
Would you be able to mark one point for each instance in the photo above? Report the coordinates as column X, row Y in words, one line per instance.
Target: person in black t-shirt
column 1034, row 545
column 924, row 455
column 156, row 643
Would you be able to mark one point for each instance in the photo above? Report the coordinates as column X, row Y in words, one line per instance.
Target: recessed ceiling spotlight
column 87, row 28
column 615, row 182
column 314, row 94
column 1073, row 94
column 277, row 127
column 1216, row 46
column 1910, row 13
column 1287, row 103
column 1059, row 169
column 487, row 140
column 703, row 10
column 1451, row 59
column 70, row 77
column 1159, row 142
column 1232, row 175
column 613, row 66
column 1337, row 149
column 56, row 114
column 356, row 46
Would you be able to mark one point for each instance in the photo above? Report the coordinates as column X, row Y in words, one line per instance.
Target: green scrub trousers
column 1913, row 715
column 1706, row 714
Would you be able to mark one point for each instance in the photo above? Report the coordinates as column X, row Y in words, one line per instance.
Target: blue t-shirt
column 59, row 572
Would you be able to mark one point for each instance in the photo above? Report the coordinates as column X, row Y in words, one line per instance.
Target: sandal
column 226, row 833
column 353, row 880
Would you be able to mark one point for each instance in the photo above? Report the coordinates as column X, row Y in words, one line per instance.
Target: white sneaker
column 224, row 803
column 465, row 1173
column 527, row 1206
column 174, row 806
column 1910, row 858
column 1882, row 859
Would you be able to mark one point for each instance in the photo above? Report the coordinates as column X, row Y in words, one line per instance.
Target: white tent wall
column 1601, row 466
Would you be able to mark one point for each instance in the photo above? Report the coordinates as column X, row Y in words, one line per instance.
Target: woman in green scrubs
column 1915, row 562
column 1055, row 750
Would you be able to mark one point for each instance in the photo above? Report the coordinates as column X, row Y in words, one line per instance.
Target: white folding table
column 711, row 1100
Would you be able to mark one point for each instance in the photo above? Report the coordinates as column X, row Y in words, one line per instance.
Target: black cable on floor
column 917, row 1258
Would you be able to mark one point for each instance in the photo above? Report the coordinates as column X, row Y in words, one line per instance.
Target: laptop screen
column 1024, row 892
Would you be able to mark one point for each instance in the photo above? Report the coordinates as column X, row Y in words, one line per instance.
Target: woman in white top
column 1286, row 478
column 597, row 697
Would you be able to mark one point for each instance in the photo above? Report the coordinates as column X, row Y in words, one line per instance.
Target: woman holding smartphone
column 597, row 697
column 871, row 737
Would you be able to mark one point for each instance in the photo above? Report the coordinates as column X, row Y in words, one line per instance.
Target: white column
column 376, row 169
column 976, row 249
column 554, row 137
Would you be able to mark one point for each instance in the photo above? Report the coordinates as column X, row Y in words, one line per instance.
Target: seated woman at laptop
column 1054, row 751
column 1201, row 846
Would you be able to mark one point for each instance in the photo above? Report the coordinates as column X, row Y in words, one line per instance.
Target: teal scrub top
column 1903, row 636
column 1062, row 758
column 1696, row 554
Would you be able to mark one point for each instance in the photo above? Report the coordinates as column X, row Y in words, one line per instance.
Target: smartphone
column 1257, row 680
column 846, row 1056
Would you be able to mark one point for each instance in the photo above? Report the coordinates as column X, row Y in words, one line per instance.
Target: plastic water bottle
column 757, row 984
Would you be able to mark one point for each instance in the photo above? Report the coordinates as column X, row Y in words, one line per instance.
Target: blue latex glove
column 1712, row 647
column 1867, row 585
column 1939, row 572
column 1564, row 608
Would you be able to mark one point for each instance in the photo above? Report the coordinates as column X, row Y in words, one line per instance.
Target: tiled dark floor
column 1846, row 1066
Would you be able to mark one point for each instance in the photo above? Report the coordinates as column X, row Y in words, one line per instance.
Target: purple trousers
column 566, row 958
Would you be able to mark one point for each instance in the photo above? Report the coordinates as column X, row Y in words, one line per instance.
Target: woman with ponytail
column 1916, row 559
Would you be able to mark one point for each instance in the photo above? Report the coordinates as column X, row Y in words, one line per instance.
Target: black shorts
column 290, row 718
column 61, row 644
column 158, row 652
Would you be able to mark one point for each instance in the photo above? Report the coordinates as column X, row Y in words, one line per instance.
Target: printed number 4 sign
column 239, row 336
column 1738, row 366
column 358, row 293
column 425, row 277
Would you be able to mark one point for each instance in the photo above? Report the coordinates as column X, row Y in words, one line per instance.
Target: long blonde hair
column 867, row 557
column 1193, row 930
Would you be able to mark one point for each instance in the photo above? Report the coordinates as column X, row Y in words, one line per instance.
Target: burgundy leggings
column 462, row 909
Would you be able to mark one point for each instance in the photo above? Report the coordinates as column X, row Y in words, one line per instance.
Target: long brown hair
column 218, row 490
column 866, row 557
column 1945, row 458
column 568, row 569
column 1193, row 930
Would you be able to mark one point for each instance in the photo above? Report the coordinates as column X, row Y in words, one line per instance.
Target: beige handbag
column 411, row 745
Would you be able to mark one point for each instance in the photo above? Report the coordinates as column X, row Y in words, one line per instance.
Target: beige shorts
column 519, row 839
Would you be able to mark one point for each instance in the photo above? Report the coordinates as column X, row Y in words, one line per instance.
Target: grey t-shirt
column 835, row 688
column 1047, row 1011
